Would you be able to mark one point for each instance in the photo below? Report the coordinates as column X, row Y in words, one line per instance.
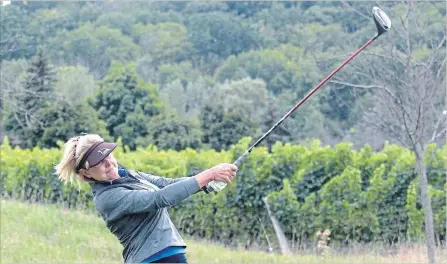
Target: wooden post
column 283, row 244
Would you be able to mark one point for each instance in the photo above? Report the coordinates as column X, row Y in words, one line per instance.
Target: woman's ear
column 84, row 173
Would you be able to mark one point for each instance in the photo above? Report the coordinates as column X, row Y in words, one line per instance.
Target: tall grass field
column 36, row 233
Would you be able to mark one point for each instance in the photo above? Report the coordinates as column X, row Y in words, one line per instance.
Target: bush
column 361, row 196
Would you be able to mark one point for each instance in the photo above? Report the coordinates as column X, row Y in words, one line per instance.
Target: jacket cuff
column 191, row 185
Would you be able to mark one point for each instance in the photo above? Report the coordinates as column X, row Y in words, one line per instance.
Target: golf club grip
column 219, row 185
column 241, row 159
column 215, row 186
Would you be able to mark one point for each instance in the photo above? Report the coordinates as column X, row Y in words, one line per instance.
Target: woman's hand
column 223, row 172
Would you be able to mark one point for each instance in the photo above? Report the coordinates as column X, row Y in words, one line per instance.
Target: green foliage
column 278, row 17
column 167, row 131
column 163, row 43
column 126, row 103
column 94, row 47
column 220, row 34
column 435, row 160
column 289, row 46
column 246, row 96
column 187, row 98
column 416, row 214
column 341, row 209
column 64, row 120
column 74, row 84
column 116, row 20
column 14, row 33
column 286, row 208
column 222, row 129
column 269, row 65
column 11, row 82
column 247, row 8
column 307, row 120
column 155, row 15
column 25, row 119
column 321, row 165
column 302, row 199
column 204, row 7
column 184, row 71
column 48, row 22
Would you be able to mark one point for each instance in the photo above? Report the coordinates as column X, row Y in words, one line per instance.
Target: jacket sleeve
column 161, row 182
column 117, row 202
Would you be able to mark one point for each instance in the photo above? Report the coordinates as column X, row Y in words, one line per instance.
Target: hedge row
column 361, row 196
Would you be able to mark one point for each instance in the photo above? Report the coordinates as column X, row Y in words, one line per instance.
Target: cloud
column 5, row 3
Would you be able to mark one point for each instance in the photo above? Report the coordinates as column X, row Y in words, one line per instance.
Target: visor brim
column 99, row 153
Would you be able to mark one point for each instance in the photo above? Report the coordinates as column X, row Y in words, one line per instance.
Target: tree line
column 191, row 74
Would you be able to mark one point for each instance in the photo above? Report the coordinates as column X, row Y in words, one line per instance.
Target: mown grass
column 32, row 233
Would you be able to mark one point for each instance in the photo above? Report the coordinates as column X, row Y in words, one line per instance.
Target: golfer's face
column 107, row 169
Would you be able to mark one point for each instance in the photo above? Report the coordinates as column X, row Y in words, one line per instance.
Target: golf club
column 383, row 23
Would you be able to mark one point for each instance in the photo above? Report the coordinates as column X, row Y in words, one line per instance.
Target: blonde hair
column 74, row 149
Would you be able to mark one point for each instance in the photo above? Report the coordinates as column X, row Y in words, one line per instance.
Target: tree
column 281, row 133
column 25, row 117
column 276, row 23
column 173, row 95
column 247, row 8
column 126, row 103
column 187, row 100
column 93, row 48
column 183, row 71
column 163, row 43
column 74, row 84
column 204, row 7
column 12, row 74
column 64, row 120
column 210, row 120
column 245, row 95
column 272, row 66
column 14, row 38
column 48, row 22
column 220, row 129
column 167, row 131
column 404, row 77
column 306, row 122
column 217, row 35
column 278, row 16
column 155, row 15
column 87, row 12
column 116, row 20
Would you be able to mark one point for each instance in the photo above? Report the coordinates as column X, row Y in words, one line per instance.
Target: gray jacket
column 134, row 209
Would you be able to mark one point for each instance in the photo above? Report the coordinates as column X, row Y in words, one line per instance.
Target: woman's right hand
column 223, row 172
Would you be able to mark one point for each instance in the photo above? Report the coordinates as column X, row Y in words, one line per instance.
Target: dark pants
column 178, row 258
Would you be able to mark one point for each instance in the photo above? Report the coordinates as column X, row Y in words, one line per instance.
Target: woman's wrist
column 204, row 178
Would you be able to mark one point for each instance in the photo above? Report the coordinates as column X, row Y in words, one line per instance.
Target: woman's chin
column 112, row 174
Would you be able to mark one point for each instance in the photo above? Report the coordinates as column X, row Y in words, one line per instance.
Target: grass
column 49, row 234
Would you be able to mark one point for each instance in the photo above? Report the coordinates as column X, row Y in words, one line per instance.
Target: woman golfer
column 134, row 204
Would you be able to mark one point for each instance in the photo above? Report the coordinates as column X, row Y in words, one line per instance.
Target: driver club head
column 383, row 22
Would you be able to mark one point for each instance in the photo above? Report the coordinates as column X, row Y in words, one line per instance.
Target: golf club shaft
column 245, row 155
column 383, row 23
